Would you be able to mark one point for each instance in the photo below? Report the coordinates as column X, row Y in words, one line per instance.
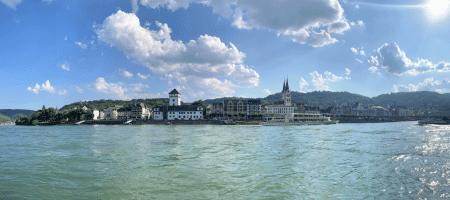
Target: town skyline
column 59, row 52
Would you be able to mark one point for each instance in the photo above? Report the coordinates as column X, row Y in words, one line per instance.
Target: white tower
column 174, row 98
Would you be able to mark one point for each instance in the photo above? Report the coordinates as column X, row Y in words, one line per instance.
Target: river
column 345, row 161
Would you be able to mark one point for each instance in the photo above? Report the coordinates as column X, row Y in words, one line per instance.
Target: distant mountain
column 422, row 99
column 13, row 113
column 4, row 118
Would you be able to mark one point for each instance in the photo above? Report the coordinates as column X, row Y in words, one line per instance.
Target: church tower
column 174, row 98
column 286, row 93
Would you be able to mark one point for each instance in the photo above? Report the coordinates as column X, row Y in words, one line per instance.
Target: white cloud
column 134, row 5
column 318, row 19
column 138, row 87
column 355, row 51
column 347, row 71
column 362, row 53
column 118, row 91
column 65, row 66
column 113, row 89
column 35, row 89
column 360, row 23
column 267, row 91
column 395, row 61
column 125, row 73
column 78, row 89
column 206, row 59
column 65, row 38
column 82, row 45
column 428, row 84
column 142, row 76
column 46, row 87
column 63, row 92
column 303, row 85
column 11, row 3
column 318, row 82
column 357, row 6
column 373, row 69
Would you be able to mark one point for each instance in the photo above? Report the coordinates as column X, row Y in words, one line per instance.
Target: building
column 111, row 112
column 123, row 113
column 253, row 106
column 286, row 106
column 140, row 112
column 215, row 109
column 97, row 114
column 176, row 111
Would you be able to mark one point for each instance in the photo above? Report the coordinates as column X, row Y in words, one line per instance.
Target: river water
column 345, row 161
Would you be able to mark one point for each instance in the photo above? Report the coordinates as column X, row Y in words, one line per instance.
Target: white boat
column 297, row 119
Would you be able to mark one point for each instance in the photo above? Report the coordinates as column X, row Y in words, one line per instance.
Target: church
column 176, row 111
column 285, row 105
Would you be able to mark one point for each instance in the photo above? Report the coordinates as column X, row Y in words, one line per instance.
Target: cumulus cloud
column 114, row 89
column 125, row 73
column 121, row 91
column 359, row 54
column 65, row 66
column 82, row 45
column 357, row 6
column 391, row 58
column 142, row 76
column 347, row 71
column 267, row 91
column 46, row 87
column 307, row 22
column 205, row 60
column 35, row 89
column 319, row 82
column 428, row 84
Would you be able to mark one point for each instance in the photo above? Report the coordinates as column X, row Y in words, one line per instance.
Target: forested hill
column 103, row 104
column 4, row 118
column 422, row 99
column 13, row 113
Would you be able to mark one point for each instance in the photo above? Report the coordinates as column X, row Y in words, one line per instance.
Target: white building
column 111, row 112
column 176, row 111
column 140, row 112
column 96, row 114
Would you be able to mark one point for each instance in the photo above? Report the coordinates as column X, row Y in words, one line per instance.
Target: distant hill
column 13, row 113
column 103, row 104
column 422, row 99
column 4, row 118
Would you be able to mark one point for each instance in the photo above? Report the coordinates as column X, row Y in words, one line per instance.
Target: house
column 111, row 112
column 140, row 112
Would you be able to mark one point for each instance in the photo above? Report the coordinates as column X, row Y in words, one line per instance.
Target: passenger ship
column 297, row 119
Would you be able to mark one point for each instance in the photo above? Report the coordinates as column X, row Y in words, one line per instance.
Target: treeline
column 52, row 116
column 103, row 104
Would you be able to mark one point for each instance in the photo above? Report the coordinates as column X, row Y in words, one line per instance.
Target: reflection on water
column 354, row 161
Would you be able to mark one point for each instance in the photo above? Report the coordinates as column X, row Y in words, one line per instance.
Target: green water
column 344, row 161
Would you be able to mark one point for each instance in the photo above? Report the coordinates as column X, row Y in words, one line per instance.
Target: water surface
column 344, row 161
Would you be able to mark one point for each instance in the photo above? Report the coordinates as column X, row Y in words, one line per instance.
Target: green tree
column 35, row 122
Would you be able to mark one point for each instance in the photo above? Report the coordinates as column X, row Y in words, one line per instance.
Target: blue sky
column 57, row 52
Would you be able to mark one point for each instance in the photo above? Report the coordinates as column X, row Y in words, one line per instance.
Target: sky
column 56, row 52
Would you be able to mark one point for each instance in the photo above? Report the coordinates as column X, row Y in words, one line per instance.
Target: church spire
column 284, row 86
column 287, row 84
